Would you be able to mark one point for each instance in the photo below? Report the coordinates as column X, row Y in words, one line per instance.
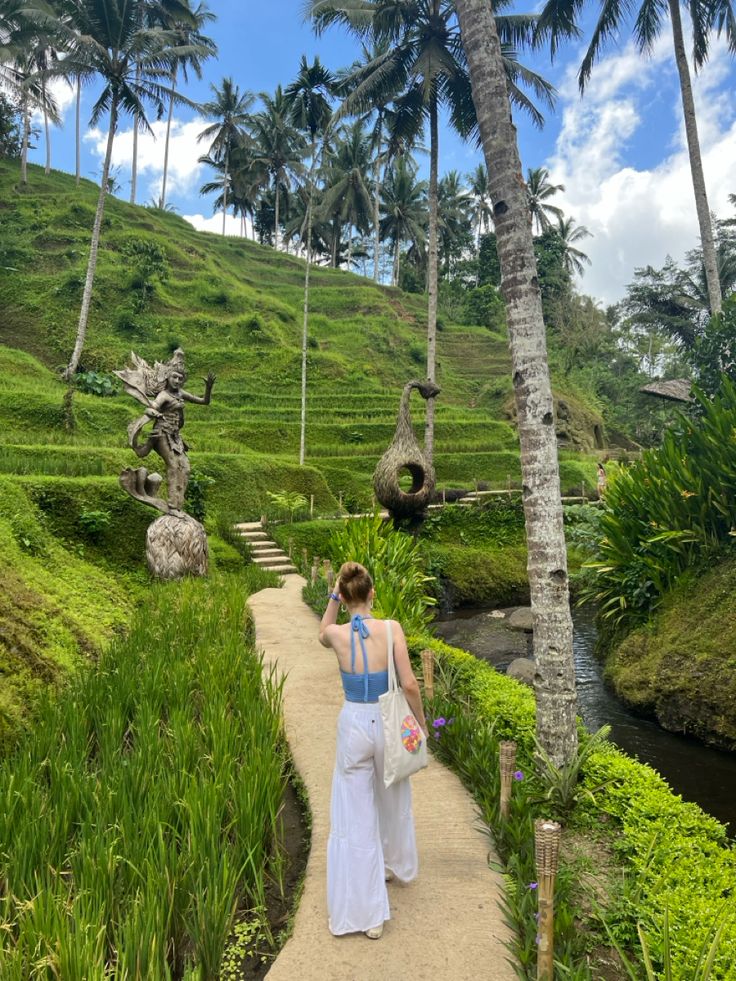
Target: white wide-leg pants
column 371, row 826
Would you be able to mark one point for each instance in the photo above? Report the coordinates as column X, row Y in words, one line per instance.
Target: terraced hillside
column 235, row 307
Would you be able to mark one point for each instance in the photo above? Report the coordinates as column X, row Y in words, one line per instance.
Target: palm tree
column 539, row 191
column 104, row 38
column 347, row 195
column 561, row 15
column 188, row 33
column 554, row 680
column 308, row 98
column 278, row 146
column 573, row 259
column 483, row 211
column 229, row 110
column 453, row 223
column 425, row 65
column 404, row 208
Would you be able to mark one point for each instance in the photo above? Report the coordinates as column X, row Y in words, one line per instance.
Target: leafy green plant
column 562, row 789
column 670, row 511
column 94, row 523
column 95, row 383
column 396, row 564
column 196, row 495
column 147, row 262
column 704, row 968
column 288, row 502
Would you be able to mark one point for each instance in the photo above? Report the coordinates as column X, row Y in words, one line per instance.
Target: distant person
column 601, row 482
column 371, row 827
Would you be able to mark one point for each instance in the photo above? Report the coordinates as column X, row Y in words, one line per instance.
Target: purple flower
column 533, row 885
column 537, row 939
column 436, row 735
column 519, row 775
column 439, row 722
column 536, row 917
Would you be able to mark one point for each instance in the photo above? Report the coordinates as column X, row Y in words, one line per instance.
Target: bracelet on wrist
column 334, row 596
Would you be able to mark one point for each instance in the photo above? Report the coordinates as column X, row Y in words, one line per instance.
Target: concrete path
column 447, row 923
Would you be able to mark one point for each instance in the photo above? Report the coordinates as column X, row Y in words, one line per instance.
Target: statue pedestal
column 176, row 546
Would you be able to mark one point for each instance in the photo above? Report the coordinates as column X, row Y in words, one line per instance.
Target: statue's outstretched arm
column 209, row 381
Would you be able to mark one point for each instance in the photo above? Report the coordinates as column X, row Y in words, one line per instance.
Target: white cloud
column 214, row 224
column 64, row 95
column 639, row 216
column 185, row 171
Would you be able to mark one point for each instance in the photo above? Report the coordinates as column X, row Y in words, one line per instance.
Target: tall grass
column 671, row 510
column 146, row 808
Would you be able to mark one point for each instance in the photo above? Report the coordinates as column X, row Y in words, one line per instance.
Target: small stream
column 700, row 774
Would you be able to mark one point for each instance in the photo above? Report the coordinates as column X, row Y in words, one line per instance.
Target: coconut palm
column 309, row 101
column 425, row 65
column 454, row 229
column 561, row 16
column 539, row 191
column 547, row 563
column 105, row 39
column 482, row 207
column 569, row 233
column 188, row 33
column 229, row 110
column 347, row 194
column 404, row 209
column 278, row 146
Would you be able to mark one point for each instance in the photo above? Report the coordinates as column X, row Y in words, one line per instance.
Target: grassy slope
column 682, row 665
column 235, row 307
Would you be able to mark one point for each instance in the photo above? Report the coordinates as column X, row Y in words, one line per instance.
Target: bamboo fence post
column 330, row 580
column 428, row 672
column 311, row 505
column 546, row 856
column 507, row 766
column 444, row 496
column 315, row 570
column 291, row 548
column 305, row 561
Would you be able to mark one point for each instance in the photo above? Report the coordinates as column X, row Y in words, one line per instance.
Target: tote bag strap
column 392, row 682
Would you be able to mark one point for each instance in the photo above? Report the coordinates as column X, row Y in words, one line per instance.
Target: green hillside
column 236, row 308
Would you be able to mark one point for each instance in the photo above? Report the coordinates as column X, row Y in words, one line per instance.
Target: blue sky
column 619, row 150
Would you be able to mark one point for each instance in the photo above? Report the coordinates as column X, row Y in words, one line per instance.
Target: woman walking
column 371, row 826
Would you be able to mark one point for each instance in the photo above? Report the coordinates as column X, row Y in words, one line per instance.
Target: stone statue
column 176, row 543
column 404, row 453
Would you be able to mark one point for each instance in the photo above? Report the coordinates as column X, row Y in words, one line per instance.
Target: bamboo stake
column 546, row 856
column 305, row 560
column 507, row 767
column 311, row 505
column 315, row 570
column 428, row 672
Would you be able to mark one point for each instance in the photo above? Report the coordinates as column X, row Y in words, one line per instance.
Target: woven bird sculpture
column 405, row 453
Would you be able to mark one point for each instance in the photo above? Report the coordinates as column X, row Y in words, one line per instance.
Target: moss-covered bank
column 681, row 666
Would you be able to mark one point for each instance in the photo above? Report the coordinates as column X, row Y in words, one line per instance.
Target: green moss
column 681, row 666
column 482, row 576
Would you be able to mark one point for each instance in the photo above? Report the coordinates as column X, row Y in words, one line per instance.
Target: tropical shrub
column 396, row 564
column 95, row 383
column 671, row 510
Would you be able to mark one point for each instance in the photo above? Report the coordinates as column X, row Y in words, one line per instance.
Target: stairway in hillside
column 266, row 553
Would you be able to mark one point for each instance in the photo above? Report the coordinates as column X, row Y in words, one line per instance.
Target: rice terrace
column 367, row 391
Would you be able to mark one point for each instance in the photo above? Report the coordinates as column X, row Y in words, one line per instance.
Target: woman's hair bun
column 355, row 582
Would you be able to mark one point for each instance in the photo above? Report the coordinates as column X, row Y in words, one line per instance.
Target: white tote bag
column 405, row 745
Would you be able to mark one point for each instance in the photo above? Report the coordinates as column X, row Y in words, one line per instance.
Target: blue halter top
column 365, row 687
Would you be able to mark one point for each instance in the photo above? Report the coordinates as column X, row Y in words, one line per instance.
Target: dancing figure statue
column 176, row 543
column 404, row 453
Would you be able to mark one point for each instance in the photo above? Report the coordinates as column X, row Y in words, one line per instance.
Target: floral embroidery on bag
column 411, row 735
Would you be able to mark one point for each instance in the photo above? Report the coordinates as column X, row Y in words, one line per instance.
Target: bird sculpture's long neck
column 404, row 429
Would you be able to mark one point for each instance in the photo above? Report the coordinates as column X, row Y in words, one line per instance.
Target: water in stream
column 700, row 774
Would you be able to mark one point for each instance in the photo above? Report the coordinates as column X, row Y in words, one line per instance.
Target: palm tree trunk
column 395, row 275
column 162, row 198
column 26, row 140
column 94, row 245
column 305, row 323
column 710, row 260
column 335, row 241
column 276, row 217
column 47, row 135
column 225, row 180
column 432, row 272
column 134, row 165
column 77, row 134
column 350, row 247
column 376, row 207
column 554, row 680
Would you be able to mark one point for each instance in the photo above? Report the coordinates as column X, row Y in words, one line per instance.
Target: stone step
column 249, row 526
column 283, row 570
column 276, row 558
column 254, row 536
column 265, row 545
